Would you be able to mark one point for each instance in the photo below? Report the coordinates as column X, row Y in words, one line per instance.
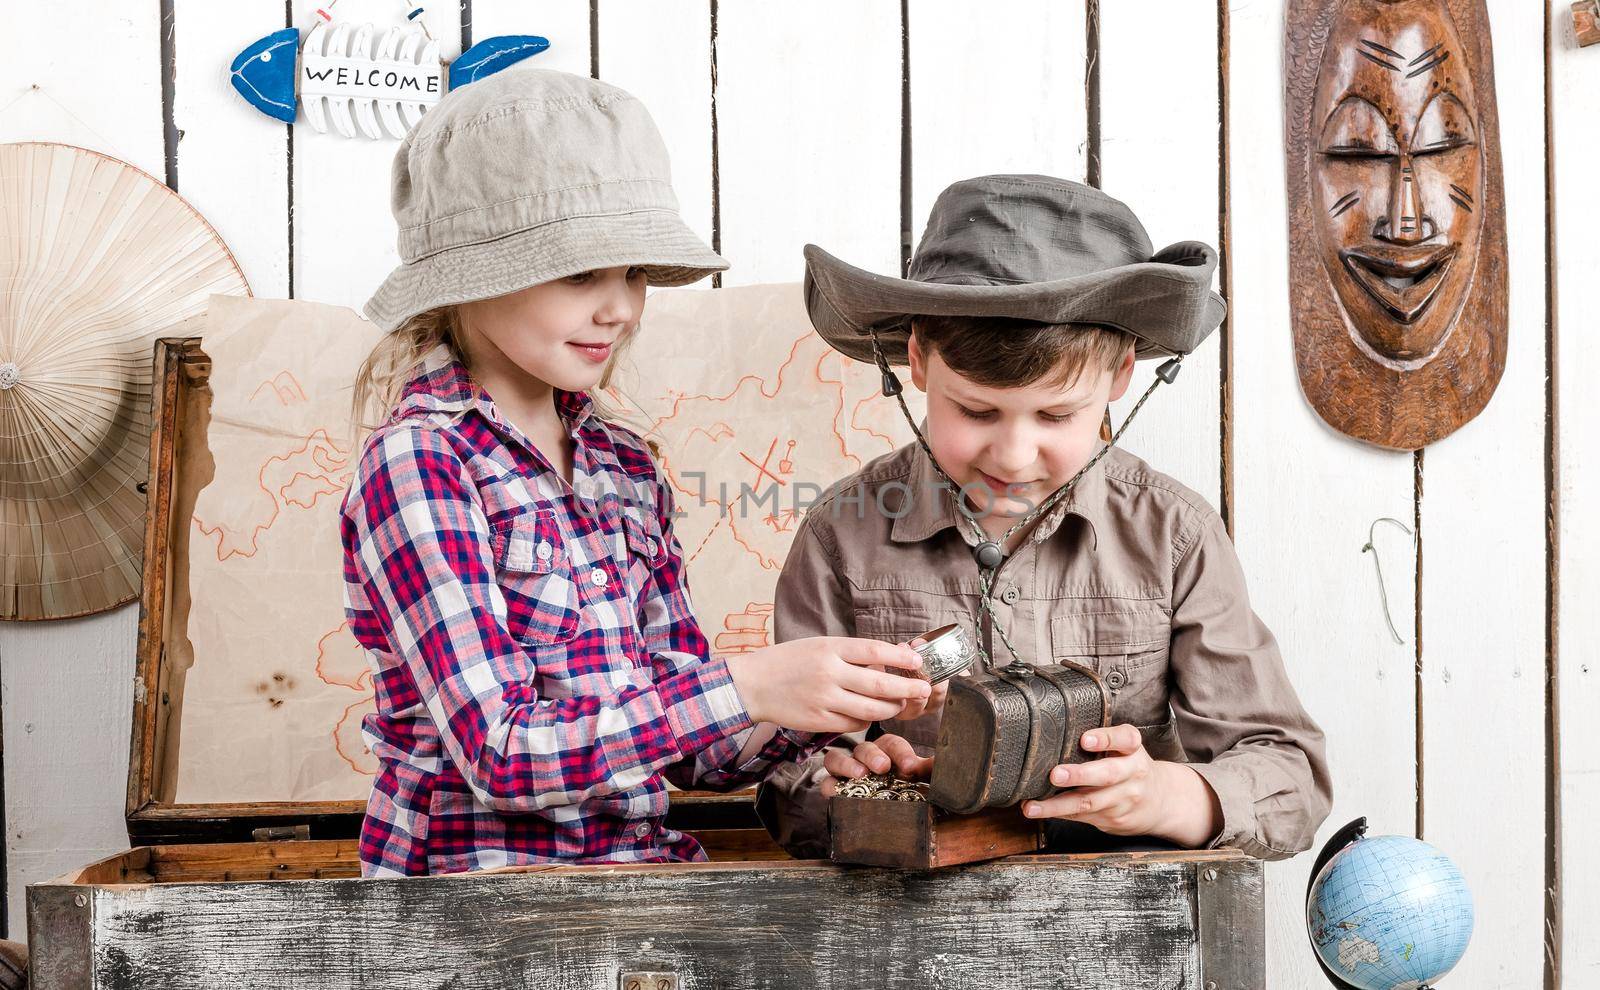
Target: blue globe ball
column 1389, row 913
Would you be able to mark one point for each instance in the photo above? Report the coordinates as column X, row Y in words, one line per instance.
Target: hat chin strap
column 990, row 554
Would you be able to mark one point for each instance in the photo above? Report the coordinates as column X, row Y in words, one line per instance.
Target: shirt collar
column 930, row 508
column 440, row 383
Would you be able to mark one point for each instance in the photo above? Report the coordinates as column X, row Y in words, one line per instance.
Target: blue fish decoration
column 493, row 54
column 264, row 73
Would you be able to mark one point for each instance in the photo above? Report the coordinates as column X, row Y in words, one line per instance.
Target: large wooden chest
column 269, row 894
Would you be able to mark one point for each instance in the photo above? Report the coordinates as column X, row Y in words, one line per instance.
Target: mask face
column 1396, row 215
column 1397, row 175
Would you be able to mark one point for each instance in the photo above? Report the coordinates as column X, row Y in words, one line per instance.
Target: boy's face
column 1009, row 448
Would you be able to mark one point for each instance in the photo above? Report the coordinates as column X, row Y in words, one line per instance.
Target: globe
column 1388, row 912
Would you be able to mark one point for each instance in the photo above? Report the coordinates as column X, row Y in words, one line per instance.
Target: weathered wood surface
column 1088, row 921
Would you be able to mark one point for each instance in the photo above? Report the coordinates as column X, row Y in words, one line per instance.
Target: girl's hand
column 887, row 752
column 1128, row 793
column 915, row 708
column 826, row 683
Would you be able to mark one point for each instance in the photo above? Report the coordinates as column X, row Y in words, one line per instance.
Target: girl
column 510, row 565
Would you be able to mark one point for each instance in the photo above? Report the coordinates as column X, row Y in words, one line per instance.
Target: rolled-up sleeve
column 1240, row 719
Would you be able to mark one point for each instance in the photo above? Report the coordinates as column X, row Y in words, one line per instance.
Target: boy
column 1027, row 302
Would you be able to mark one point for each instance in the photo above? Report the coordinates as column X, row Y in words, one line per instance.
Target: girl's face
column 561, row 333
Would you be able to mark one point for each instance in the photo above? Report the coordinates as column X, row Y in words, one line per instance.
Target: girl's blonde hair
column 382, row 377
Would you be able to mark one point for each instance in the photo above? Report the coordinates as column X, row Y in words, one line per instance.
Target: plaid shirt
column 538, row 670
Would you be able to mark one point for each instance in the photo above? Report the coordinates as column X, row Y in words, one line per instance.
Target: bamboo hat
column 97, row 260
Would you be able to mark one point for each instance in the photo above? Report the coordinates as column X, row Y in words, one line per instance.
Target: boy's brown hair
column 1000, row 352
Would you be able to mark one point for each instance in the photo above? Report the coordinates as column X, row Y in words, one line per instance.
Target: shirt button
column 651, row 546
column 597, row 578
column 642, row 829
column 1010, row 595
column 1116, row 679
column 544, row 550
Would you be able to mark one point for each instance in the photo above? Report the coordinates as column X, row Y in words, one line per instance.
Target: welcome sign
column 342, row 77
column 360, row 79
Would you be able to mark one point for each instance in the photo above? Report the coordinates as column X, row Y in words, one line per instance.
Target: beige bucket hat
column 525, row 177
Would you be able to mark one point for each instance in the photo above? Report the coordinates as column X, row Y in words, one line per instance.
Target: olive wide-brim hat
column 1029, row 247
column 526, row 177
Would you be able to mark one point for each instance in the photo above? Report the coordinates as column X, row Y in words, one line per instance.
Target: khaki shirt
column 1133, row 575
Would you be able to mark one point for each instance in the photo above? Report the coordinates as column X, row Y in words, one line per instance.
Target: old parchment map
column 272, row 705
column 754, row 416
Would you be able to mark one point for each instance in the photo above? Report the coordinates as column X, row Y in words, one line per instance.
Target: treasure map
column 754, row 416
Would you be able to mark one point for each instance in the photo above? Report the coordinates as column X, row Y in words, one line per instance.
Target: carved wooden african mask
column 1396, row 215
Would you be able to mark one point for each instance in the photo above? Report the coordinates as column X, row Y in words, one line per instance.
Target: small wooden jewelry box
column 915, row 835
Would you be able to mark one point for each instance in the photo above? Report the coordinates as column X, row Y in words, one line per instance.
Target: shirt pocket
column 534, row 571
column 1127, row 643
column 893, row 624
column 646, row 550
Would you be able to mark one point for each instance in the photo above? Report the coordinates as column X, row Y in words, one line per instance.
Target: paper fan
column 98, row 260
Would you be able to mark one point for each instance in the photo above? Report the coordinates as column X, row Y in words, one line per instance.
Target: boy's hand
column 916, row 708
column 1127, row 793
column 826, row 683
column 887, row 752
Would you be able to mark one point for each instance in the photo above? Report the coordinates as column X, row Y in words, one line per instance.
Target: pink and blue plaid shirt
column 538, row 669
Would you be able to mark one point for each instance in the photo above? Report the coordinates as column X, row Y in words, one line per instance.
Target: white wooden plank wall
column 1160, row 100
column 805, row 102
column 1483, row 574
column 67, row 687
column 808, row 132
column 1304, row 497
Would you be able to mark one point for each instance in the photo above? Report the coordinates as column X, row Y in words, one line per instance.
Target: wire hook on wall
column 1383, row 592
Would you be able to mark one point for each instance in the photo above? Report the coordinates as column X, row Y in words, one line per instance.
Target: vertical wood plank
column 999, row 93
column 344, row 233
column 233, row 161
column 1483, row 571
column 1161, row 157
column 1575, row 153
column 660, row 51
column 808, row 104
column 1305, row 498
column 106, row 96
column 65, row 686
column 564, row 22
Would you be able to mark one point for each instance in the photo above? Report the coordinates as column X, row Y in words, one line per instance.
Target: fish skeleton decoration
column 360, row 80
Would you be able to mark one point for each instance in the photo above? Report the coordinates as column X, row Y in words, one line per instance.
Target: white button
column 651, row 546
column 544, row 550
column 642, row 829
column 598, row 577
